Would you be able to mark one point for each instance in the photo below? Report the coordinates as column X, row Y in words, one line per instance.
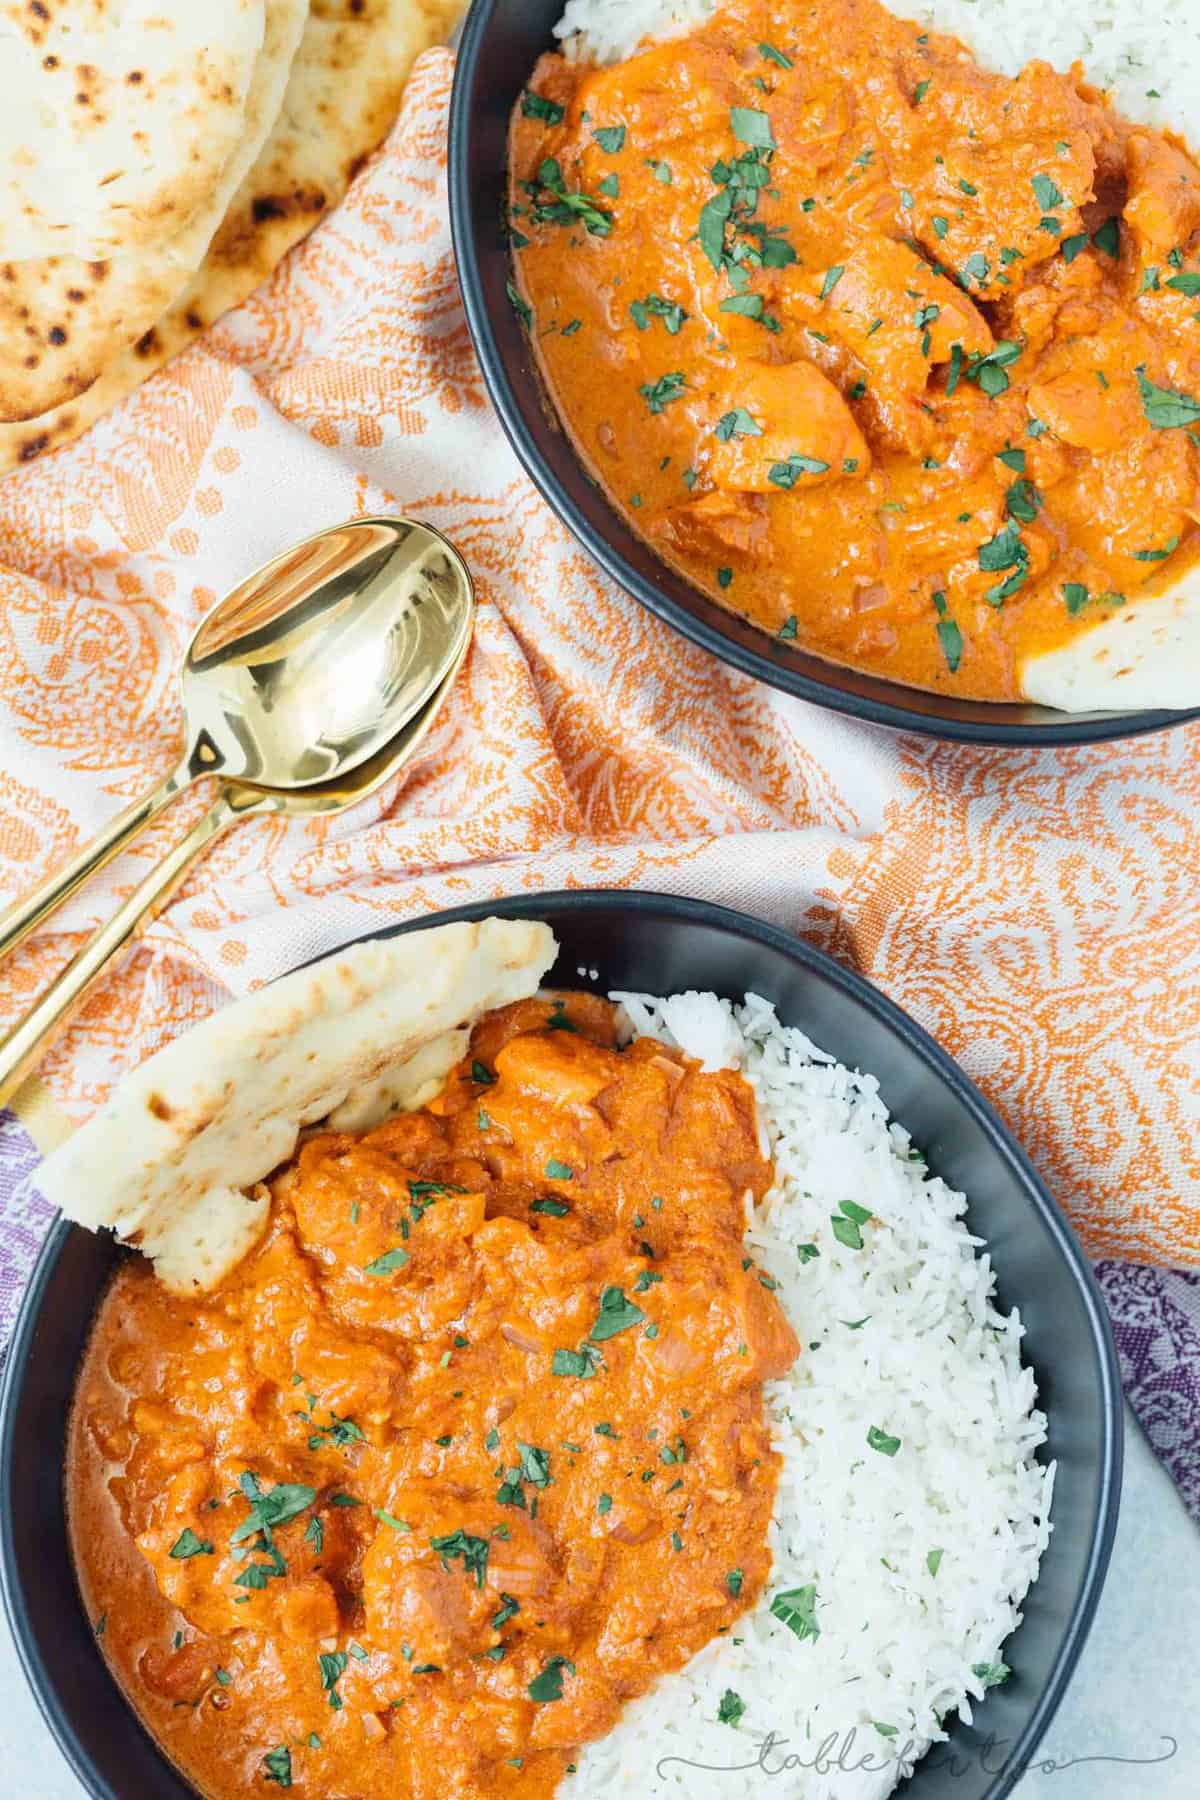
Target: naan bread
column 343, row 94
column 176, row 1160
column 63, row 320
column 116, row 117
column 1143, row 654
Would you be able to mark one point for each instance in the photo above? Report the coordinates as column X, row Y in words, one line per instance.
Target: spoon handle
column 27, row 1043
column 33, row 909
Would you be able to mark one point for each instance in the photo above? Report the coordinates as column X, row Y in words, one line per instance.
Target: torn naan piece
column 176, row 1159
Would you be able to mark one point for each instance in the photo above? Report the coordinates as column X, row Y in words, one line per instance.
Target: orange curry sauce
column 894, row 356
column 466, row 1454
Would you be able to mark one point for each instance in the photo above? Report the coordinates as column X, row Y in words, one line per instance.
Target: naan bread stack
column 158, row 158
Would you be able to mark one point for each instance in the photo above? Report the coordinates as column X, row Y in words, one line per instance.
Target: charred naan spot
column 158, row 1107
column 358, row 8
column 57, row 335
column 76, row 295
column 148, row 343
column 99, row 270
column 356, row 164
column 193, row 320
column 49, row 62
column 31, row 362
column 33, row 446
column 265, row 207
column 134, row 77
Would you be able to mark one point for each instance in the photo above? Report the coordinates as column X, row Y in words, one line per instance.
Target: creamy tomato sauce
column 466, row 1455
column 896, row 357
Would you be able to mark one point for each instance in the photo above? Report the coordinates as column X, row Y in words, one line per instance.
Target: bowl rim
column 676, row 909
column 896, row 713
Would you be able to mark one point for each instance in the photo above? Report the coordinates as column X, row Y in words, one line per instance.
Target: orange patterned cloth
column 1039, row 911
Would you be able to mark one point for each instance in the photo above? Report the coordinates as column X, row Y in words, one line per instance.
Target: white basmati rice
column 1146, row 52
column 901, row 1335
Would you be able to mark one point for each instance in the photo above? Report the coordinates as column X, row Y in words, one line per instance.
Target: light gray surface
column 1137, row 1685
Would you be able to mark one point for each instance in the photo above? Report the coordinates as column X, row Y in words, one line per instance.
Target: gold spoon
column 300, row 675
column 25, row 1046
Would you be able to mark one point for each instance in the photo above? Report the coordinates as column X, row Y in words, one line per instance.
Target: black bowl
column 501, row 42
column 663, row 945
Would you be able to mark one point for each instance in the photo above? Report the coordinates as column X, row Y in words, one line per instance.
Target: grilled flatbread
column 116, row 117
column 64, row 319
column 176, row 1160
column 343, row 93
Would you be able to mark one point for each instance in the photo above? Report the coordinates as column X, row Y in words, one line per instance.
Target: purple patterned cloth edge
column 1155, row 1315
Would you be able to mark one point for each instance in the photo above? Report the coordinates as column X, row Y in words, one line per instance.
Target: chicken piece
column 345, row 1378
column 716, row 525
column 716, row 1319
column 1086, row 388
column 585, row 1014
column 805, row 431
column 213, row 1565
column 1131, row 508
column 664, row 101
column 561, row 1068
column 1011, row 186
column 438, row 1586
column 1163, row 207
column 900, row 318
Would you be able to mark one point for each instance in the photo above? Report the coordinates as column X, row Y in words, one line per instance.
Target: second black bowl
column 501, row 42
column 652, row 943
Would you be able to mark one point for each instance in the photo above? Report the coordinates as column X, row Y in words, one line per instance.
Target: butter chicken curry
column 896, row 357
column 466, row 1454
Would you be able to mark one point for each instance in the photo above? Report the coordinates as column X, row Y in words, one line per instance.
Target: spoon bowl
column 314, row 662
column 305, row 671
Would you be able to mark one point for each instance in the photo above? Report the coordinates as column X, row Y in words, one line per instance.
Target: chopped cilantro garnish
column 847, row 1223
column 731, row 1708
column 797, row 1609
column 832, row 277
column 188, row 1544
column 751, row 127
column 398, row 1525
column 1167, row 409
column 882, row 1441
column 1047, row 192
column 1022, row 502
column 548, row 1685
column 1108, row 238
column 535, row 106
column 386, row 1264
column 278, row 1766
column 472, row 1550
column 610, row 138
column 659, row 394
column 785, row 474
column 736, row 423
column 617, row 1313
column 654, row 306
